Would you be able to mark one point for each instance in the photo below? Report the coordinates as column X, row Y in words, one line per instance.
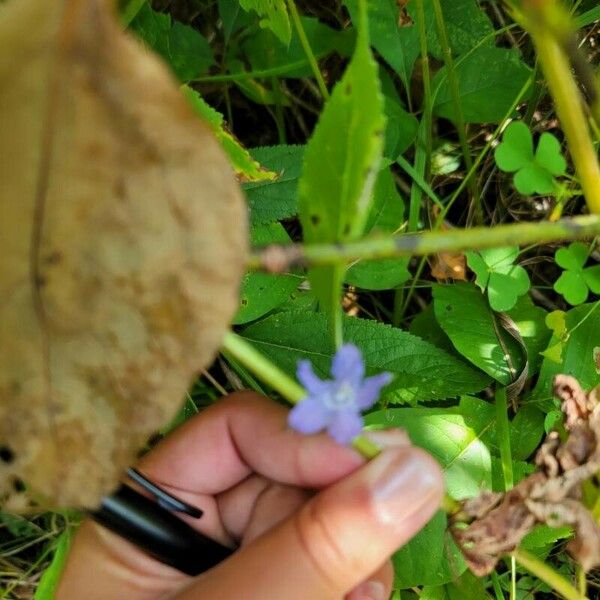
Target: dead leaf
column 491, row 525
column 447, row 266
column 123, row 240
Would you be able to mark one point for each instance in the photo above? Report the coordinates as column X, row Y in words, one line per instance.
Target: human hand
column 312, row 519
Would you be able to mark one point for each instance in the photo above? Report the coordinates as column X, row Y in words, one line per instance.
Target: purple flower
column 336, row 404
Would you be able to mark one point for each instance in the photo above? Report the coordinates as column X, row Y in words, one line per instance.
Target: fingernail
column 407, row 482
column 388, row 438
column 370, row 590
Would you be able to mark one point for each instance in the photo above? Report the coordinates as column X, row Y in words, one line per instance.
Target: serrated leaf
column 275, row 200
column 246, row 168
column 262, row 292
column 466, row 26
column 399, row 46
column 274, row 15
column 187, row 52
column 422, row 371
column 489, row 82
column 341, row 163
column 263, row 50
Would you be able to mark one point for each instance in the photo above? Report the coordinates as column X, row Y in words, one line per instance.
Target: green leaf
column 516, row 149
column 464, row 315
column 490, row 80
column 526, row 432
column 402, row 126
column 505, row 282
column 575, row 282
column 243, row 164
column 274, row 15
column 466, row 26
column 431, row 557
column 187, row 52
column 275, row 200
column 425, row 326
column 534, row 172
column 387, row 215
column 422, row 371
column 49, row 582
column 129, row 9
column 398, row 46
column 264, row 51
column 445, row 434
column 261, row 292
column 341, row 163
column 583, row 331
column 572, row 286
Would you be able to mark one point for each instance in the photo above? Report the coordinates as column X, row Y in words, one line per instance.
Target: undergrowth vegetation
column 418, row 196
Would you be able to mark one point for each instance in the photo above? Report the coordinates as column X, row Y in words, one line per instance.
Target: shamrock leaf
column 534, row 173
column 494, row 270
column 576, row 281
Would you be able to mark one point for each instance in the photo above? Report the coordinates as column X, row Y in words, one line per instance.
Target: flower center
column 343, row 397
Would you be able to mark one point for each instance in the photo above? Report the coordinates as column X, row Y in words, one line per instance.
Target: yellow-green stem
column 547, row 574
column 569, row 105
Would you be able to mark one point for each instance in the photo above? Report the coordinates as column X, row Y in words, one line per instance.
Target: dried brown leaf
column 551, row 496
column 123, row 239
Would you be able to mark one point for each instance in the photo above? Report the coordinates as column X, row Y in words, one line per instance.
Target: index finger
column 242, row 434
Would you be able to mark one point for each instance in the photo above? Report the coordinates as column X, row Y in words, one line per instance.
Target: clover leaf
column 494, row 270
column 534, row 173
column 576, row 281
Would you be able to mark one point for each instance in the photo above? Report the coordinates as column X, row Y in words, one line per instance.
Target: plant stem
column 458, row 113
column 254, row 361
column 547, row 574
column 567, row 97
column 279, row 258
column 312, row 61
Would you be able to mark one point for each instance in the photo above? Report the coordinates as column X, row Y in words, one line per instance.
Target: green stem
column 566, row 94
column 312, row 61
column 254, row 361
column 277, row 258
column 547, row 574
column 458, row 113
column 503, row 425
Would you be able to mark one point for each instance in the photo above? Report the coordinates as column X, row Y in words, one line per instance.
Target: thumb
column 338, row 538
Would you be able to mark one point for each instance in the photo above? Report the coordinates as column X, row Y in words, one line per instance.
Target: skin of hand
column 313, row 519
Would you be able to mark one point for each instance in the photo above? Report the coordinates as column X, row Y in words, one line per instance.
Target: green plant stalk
column 567, row 99
column 503, row 426
column 455, row 91
column 278, row 258
column 547, row 574
column 312, row 61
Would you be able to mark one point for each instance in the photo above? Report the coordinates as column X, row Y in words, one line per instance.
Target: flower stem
column 312, row 61
column 547, row 574
column 279, row 258
column 237, row 347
